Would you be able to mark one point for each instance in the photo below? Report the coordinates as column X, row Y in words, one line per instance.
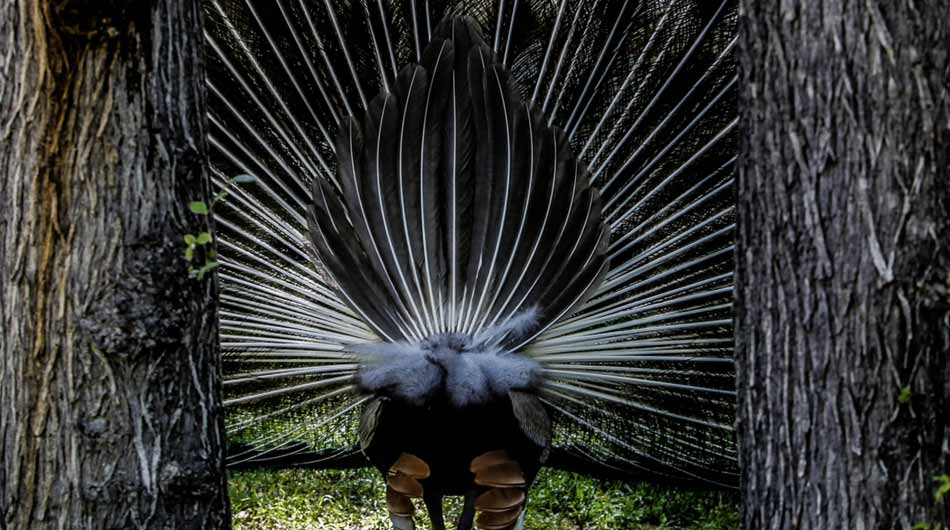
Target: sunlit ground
column 353, row 500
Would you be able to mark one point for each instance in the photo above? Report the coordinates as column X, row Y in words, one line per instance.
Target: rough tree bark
column 109, row 391
column 843, row 260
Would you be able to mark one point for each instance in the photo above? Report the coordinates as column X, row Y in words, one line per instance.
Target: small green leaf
column 208, row 267
column 219, row 196
column 944, row 488
column 190, row 239
column 199, row 207
column 189, row 253
column 904, row 396
column 212, row 254
column 204, row 238
column 243, row 179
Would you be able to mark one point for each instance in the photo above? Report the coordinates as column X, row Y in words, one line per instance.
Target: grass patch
column 300, row 499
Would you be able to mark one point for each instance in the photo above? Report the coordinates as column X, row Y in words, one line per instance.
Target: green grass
column 297, row 499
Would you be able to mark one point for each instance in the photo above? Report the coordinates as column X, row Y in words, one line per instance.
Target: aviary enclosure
column 481, row 238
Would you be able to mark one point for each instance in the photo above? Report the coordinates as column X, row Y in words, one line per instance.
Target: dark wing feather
column 501, row 196
column 381, row 198
column 412, row 93
column 531, row 417
column 336, row 243
column 369, row 422
column 357, row 194
column 538, row 216
column 476, row 276
column 438, row 61
column 458, row 158
column 516, row 237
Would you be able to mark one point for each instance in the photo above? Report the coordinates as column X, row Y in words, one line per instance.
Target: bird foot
column 501, row 506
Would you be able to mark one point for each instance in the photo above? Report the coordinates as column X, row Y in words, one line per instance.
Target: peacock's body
column 484, row 237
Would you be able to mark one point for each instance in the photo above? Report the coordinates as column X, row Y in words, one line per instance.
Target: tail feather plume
column 546, row 183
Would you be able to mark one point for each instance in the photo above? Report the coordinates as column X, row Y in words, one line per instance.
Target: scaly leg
column 402, row 483
column 434, row 505
column 502, row 506
column 467, row 517
column 400, row 510
column 520, row 525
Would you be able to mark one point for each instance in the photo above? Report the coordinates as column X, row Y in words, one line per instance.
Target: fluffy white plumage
column 466, row 369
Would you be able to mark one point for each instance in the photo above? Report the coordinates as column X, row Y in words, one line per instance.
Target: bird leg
column 520, row 525
column 500, row 507
column 400, row 510
column 467, row 517
column 434, row 506
column 402, row 483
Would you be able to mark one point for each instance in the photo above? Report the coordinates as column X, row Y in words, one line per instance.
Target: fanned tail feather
column 616, row 113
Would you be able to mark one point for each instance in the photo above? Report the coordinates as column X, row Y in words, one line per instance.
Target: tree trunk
column 109, row 378
column 843, row 263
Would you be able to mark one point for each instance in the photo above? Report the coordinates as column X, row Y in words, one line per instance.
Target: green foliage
column 943, row 481
column 904, row 396
column 203, row 239
column 943, row 487
column 303, row 499
column 355, row 499
column 198, row 207
column 568, row 501
column 240, row 179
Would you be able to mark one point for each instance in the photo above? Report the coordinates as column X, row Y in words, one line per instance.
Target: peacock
column 481, row 238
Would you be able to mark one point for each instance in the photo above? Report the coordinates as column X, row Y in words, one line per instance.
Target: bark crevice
column 109, row 372
column 843, row 253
